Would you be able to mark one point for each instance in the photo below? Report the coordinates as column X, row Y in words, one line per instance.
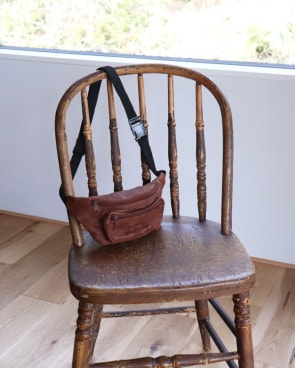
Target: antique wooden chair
column 188, row 258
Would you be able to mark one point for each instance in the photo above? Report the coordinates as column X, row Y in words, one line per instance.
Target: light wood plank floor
column 37, row 312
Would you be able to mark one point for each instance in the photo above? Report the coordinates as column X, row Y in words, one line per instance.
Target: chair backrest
column 141, row 73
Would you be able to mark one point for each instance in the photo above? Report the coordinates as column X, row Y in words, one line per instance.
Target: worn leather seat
column 155, row 268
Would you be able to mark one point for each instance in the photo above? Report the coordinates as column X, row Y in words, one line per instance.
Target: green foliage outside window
column 236, row 30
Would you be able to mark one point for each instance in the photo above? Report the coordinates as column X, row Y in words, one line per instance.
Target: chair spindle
column 172, row 150
column 115, row 147
column 146, row 175
column 89, row 154
column 201, row 156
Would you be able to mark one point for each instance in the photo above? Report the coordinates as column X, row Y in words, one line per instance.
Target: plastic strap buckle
column 137, row 127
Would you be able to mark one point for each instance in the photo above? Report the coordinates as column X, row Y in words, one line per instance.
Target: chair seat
column 153, row 268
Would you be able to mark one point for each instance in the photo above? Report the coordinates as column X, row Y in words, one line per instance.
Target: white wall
column 263, row 106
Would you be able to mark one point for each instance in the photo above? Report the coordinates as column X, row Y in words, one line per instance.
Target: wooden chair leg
column 243, row 330
column 83, row 335
column 96, row 326
column 202, row 311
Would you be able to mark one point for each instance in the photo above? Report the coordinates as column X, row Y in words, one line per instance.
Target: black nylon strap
column 131, row 114
column 79, row 149
column 147, row 154
column 117, row 83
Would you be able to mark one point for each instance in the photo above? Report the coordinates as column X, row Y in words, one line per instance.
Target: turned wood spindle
column 172, row 150
column 201, row 156
column 146, row 175
column 89, row 153
column 115, row 147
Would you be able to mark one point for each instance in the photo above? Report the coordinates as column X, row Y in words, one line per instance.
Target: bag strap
column 135, row 122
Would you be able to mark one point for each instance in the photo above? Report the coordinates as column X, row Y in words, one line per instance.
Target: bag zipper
column 95, row 206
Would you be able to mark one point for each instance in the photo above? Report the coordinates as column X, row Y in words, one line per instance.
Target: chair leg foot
column 83, row 335
column 202, row 311
column 243, row 330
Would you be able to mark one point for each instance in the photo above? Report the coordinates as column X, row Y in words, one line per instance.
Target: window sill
column 216, row 69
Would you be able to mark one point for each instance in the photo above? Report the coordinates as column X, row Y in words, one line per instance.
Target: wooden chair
column 188, row 258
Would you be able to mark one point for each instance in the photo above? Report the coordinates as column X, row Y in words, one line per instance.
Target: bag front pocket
column 121, row 226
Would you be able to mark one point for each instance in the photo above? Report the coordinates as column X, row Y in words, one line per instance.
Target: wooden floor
column 37, row 312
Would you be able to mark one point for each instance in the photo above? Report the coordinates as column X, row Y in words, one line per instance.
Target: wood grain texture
column 25, row 240
column 10, row 227
column 42, row 341
column 275, row 342
column 52, row 286
column 26, row 271
column 38, row 333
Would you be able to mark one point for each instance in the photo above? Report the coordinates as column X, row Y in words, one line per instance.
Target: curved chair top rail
column 149, row 69
column 79, row 85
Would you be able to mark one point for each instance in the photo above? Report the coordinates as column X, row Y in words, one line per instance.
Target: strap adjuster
column 137, row 127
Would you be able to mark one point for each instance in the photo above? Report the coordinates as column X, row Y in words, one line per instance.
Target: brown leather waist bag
column 121, row 216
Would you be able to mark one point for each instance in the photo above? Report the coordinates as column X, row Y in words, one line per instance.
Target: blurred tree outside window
column 227, row 30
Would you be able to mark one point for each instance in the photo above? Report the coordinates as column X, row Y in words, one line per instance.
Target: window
column 226, row 30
